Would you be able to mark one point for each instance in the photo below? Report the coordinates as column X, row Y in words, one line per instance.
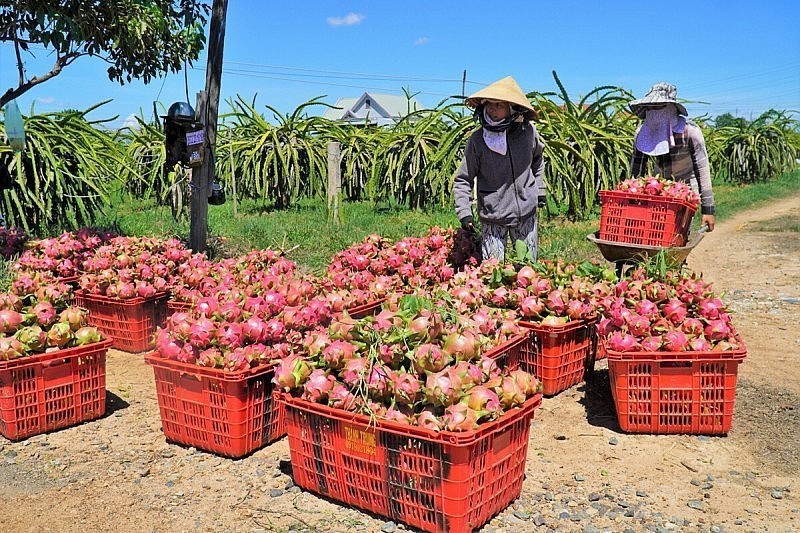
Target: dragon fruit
column 428, row 420
column 291, row 373
column 483, row 400
column 318, row 386
column 675, row 311
column 675, row 341
column 460, row 417
column 407, row 388
column 510, row 393
column 443, row 388
column 623, row 342
column 717, row 330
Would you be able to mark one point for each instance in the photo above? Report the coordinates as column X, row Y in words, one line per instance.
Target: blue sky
column 741, row 57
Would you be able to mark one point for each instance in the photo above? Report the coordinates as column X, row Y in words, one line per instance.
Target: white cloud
column 422, row 41
column 45, row 100
column 131, row 122
column 348, row 20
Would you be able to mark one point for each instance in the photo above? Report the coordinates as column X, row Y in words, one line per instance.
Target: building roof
column 379, row 109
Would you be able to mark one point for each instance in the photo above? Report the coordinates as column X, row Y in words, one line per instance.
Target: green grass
column 730, row 199
column 313, row 239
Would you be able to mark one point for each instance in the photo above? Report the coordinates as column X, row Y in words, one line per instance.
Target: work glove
column 468, row 224
column 542, row 202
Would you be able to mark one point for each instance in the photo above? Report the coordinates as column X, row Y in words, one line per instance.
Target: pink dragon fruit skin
column 460, row 417
column 428, row 420
column 623, row 342
column 675, row 341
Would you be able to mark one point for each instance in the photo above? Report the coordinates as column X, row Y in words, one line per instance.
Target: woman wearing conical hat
column 675, row 144
column 503, row 162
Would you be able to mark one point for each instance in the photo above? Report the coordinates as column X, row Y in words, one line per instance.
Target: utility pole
column 463, row 89
column 208, row 107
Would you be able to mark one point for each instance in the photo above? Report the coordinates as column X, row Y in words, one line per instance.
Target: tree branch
column 61, row 62
column 19, row 62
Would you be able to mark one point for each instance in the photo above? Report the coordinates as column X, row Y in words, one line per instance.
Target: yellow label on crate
column 360, row 441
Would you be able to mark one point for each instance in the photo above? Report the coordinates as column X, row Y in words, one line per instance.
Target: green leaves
column 754, row 152
column 138, row 39
column 63, row 177
column 588, row 144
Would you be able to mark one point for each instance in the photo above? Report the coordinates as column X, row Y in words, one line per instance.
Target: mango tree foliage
column 137, row 38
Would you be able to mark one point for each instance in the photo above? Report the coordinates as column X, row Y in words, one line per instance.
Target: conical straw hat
column 506, row 90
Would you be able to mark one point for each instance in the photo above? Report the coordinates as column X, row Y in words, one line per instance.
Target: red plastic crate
column 227, row 413
column 508, row 354
column 54, row 390
column 674, row 392
column 129, row 323
column 446, row 481
column 364, row 310
column 173, row 306
column 557, row 355
column 644, row 219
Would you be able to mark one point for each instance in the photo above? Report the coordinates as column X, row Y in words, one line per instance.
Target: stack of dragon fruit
column 376, row 267
column 658, row 186
column 677, row 314
column 200, row 277
column 245, row 312
column 36, row 317
column 423, row 363
column 62, row 256
column 131, row 267
column 556, row 293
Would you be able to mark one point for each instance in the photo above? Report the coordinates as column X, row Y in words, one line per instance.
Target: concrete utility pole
column 207, row 107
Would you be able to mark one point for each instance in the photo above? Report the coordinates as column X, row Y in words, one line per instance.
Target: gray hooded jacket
column 508, row 185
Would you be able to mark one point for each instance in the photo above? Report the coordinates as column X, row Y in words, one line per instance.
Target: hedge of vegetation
column 70, row 163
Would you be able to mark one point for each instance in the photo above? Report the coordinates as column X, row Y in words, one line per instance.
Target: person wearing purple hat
column 503, row 162
column 675, row 144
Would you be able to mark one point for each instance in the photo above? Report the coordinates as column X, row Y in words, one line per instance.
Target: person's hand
column 468, row 224
column 708, row 220
column 542, row 202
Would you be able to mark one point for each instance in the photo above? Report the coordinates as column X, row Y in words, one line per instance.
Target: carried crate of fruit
column 53, row 390
column 690, row 392
column 434, row 481
column 130, row 323
column 558, row 353
column 229, row 413
column 648, row 211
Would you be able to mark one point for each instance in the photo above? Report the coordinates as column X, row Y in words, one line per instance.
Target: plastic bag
column 15, row 127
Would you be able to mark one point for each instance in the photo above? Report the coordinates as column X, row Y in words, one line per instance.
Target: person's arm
column 702, row 172
column 463, row 184
column 537, row 168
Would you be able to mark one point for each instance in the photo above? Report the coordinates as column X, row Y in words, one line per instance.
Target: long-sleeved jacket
column 686, row 161
column 508, row 185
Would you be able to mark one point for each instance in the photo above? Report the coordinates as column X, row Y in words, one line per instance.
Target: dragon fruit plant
column 415, row 365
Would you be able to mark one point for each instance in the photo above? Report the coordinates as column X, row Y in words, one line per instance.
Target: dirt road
column 583, row 473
